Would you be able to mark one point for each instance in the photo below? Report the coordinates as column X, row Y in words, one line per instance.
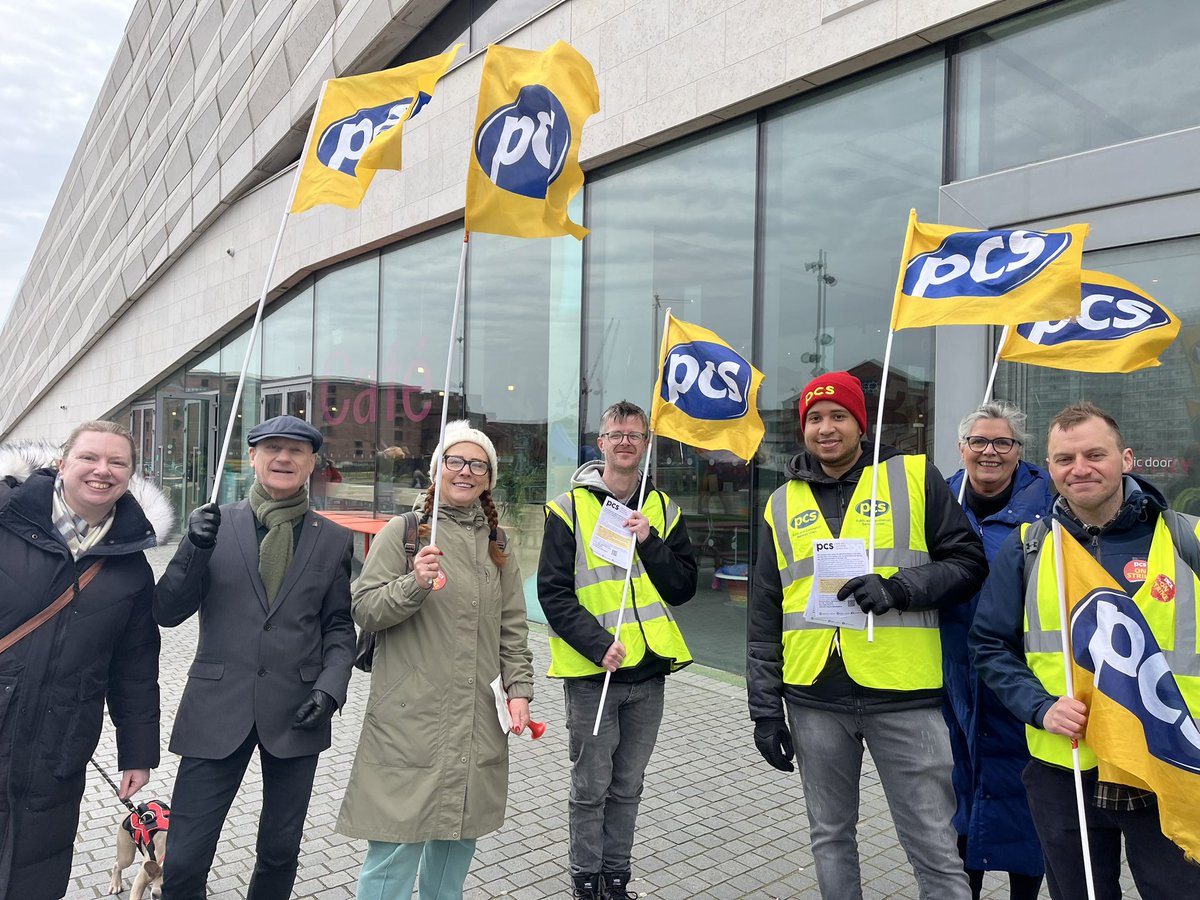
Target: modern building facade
column 752, row 167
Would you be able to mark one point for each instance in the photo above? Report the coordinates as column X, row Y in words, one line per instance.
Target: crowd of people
column 963, row 710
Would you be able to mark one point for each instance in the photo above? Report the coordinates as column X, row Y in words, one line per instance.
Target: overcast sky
column 53, row 59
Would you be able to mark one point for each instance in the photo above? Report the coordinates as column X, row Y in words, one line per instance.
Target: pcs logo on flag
column 706, row 381
column 1111, row 639
column 1106, row 314
column 982, row 263
column 343, row 143
column 522, row 147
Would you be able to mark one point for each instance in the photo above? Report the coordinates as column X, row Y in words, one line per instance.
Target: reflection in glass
column 1156, row 408
column 418, row 287
column 842, row 172
column 287, row 337
column 237, row 474
column 1056, row 82
column 345, row 330
column 522, row 374
column 677, row 230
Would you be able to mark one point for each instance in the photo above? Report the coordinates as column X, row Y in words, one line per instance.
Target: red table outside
column 366, row 524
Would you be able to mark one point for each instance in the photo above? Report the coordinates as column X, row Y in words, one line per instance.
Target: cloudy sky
column 53, row 58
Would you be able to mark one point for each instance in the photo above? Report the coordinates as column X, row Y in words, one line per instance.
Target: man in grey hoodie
column 581, row 594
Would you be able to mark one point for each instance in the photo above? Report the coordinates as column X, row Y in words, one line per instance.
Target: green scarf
column 278, row 517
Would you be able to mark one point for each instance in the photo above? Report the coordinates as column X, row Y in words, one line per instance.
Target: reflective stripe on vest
column 647, row 622
column 1173, row 625
column 906, row 653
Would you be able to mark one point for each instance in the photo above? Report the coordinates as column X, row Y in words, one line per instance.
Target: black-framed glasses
column 634, row 437
column 456, row 464
column 1001, row 445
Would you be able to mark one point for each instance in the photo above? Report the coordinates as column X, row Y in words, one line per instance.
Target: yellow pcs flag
column 960, row 276
column 524, row 166
column 358, row 127
column 1119, row 328
column 706, row 394
column 1139, row 726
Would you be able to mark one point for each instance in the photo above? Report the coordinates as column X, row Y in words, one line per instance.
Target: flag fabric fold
column 1118, row 328
column 1139, row 724
column 359, row 127
column 962, row 276
column 706, row 394
column 524, row 161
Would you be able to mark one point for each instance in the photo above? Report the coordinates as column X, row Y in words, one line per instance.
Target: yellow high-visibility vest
column 1173, row 625
column 598, row 585
column 906, row 654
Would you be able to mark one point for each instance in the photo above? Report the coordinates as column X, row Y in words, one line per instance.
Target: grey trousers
column 911, row 751
column 607, row 770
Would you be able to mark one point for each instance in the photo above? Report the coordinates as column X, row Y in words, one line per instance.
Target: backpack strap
column 1031, row 543
column 501, row 539
column 1183, row 535
column 412, row 522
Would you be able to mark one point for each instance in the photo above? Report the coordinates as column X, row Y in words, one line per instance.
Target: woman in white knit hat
column 431, row 771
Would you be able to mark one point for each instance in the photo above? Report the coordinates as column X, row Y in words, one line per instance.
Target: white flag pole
column 887, row 364
column 262, row 302
column 987, row 395
column 629, row 572
column 437, row 463
column 1065, row 628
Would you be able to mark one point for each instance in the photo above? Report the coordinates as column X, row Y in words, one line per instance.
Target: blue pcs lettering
column 982, row 263
column 343, row 143
column 1106, row 314
column 706, row 381
column 522, row 147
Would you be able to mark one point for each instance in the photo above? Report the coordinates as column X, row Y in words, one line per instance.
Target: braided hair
column 499, row 557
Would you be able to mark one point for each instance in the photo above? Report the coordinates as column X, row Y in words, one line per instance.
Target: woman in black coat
column 103, row 646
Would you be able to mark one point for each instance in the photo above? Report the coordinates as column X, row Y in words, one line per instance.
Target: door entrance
column 187, row 435
column 290, row 398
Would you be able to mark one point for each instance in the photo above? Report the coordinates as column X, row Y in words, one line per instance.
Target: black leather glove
column 774, row 742
column 874, row 594
column 315, row 711
column 203, row 524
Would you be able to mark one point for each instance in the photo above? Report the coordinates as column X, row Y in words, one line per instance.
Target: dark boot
column 614, row 886
column 587, row 887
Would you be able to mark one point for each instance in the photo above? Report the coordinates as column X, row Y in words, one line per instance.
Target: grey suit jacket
column 255, row 666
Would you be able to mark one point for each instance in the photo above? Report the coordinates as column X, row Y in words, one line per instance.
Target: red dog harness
column 150, row 818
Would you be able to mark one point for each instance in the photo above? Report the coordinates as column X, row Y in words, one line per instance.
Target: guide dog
column 144, row 830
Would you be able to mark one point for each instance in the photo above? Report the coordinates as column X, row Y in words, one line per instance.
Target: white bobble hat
column 459, row 432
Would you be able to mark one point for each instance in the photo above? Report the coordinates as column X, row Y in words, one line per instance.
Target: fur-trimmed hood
column 21, row 458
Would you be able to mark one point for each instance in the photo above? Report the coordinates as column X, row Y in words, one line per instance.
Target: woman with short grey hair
column 1000, row 492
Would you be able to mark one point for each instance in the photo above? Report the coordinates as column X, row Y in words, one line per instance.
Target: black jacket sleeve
column 764, row 633
column 996, row 640
column 183, row 585
column 958, row 565
column 132, row 696
column 556, row 593
column 671, row 564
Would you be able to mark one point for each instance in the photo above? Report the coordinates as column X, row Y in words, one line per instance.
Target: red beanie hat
column 841, row 388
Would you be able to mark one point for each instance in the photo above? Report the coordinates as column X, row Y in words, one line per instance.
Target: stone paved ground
column 716, row 821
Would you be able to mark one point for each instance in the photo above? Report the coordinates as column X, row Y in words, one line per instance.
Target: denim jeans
column 911, row 751
column 607, row 770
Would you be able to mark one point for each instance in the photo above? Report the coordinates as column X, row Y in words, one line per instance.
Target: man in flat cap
column 271, row 581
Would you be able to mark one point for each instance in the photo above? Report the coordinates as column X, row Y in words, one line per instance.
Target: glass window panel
column 288, row 337
column 495, row 18
column 1156, row 408
column 419, row 280
column 1074, row 77
column 842, row 172
column 522, row 376
column 345, row 330
column 677, row 230
column 237, row 475
column 204, row 374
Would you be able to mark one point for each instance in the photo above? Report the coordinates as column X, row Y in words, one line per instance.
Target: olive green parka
column 432, row 761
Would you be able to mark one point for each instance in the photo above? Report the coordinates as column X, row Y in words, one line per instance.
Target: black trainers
column 614, row 886
column 587, row 887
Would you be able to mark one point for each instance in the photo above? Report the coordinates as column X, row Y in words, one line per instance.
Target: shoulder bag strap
column 33, row 624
